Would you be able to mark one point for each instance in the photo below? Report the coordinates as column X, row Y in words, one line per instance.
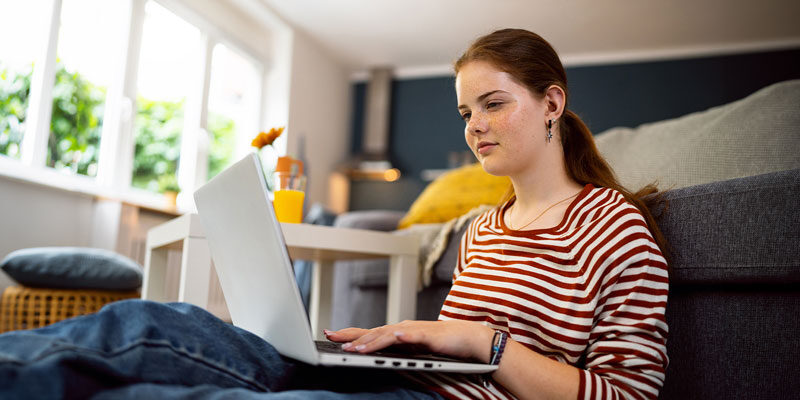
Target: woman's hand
column 459, row 339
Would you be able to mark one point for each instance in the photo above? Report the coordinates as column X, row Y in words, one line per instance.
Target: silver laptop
column 258, row 281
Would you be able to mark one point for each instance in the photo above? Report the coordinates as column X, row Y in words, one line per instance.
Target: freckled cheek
column 511, row 117
column 506, row 125
column 499, row 123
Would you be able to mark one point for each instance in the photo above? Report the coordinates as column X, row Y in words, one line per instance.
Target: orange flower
column 266, row 139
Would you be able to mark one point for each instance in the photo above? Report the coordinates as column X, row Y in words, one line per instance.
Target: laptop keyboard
column 336, row 348
column 330, row 347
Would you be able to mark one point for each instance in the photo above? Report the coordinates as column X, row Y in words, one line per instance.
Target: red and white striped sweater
column 590, row 292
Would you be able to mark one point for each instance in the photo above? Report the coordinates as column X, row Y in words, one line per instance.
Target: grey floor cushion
column 72, row 268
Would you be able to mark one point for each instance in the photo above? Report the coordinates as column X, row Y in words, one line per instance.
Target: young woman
column 563, row 286
column 568, row 267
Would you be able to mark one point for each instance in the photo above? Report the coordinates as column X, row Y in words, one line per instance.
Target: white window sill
column 15, row 170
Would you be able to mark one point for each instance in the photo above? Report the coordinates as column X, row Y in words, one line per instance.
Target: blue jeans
column 139, row 349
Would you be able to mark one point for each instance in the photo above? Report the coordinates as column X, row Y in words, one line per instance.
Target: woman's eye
column 493, row 105
column 465, row 116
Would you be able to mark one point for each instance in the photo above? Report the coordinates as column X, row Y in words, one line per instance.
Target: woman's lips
column 485, row 147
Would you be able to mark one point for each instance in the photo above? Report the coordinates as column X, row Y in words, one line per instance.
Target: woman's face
column 505, row 123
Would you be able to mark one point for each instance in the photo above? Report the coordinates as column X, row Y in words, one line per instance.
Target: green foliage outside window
column 15, row 87
column 223, row 142
column 158, row 132
column 76, row 125
column 158, row 139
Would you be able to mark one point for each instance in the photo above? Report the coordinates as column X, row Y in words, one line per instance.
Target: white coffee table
column 321, row 244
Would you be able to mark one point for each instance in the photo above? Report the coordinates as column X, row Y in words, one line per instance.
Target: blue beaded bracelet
column 498, row 346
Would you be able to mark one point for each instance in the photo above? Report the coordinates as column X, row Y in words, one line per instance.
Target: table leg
column 320, row 307
column 195, row 272
column 155, row 273
column 401, row 303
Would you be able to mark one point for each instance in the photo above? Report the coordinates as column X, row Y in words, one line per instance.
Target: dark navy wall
column 425, row 125
column 632, row 94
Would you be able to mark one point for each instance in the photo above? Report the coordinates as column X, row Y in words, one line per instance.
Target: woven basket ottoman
column 24, row 307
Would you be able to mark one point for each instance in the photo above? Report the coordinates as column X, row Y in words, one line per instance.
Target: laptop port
column 397, row 363
column 412, row 364
column 379, row 362
column 428, row 365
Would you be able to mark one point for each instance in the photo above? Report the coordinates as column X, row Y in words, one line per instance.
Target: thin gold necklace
column 542, row 213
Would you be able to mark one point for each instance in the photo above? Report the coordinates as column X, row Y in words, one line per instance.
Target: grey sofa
column 733, row 225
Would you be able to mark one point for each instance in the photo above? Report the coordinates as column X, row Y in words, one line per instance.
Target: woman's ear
column 554, row 99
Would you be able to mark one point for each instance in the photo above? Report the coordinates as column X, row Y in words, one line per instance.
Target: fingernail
column 326, row 332
column 347, row 346
column 398, row 334
column 360, row 347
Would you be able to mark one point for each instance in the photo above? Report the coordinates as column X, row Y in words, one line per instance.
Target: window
column 22, row 37
column 232, row 107
column 72, row 72
column 83, row 73
column 169, row 45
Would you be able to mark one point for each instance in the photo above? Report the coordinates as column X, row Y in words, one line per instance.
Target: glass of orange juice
column 290, row 186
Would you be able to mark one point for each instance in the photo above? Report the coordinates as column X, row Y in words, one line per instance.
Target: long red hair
column 533, row 62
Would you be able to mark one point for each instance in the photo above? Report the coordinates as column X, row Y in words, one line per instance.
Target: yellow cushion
column 454, row 194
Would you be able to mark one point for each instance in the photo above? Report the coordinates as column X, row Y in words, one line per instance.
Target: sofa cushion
column 73, row 268
column 454, row 194
column 744, row 230
column 751, row 136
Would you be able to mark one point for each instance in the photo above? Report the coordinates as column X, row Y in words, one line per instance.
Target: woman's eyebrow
column 481, row 97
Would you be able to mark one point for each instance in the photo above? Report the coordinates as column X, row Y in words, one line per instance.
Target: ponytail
column 584, row 164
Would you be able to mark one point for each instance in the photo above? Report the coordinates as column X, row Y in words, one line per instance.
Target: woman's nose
column 477, row 123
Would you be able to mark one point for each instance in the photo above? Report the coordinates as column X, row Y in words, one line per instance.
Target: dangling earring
column 549, row 127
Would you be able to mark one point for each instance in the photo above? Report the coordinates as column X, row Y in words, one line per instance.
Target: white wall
column 319, row 110
column 32, row 215
column 37, row 215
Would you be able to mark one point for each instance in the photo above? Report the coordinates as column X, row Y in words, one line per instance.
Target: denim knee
column 140, row 341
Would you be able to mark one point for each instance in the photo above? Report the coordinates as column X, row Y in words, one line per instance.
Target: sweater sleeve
column 626, row 357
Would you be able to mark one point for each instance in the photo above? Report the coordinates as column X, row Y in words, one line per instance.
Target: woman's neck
column 541, row 204
column 543, row 191
column 543, row 185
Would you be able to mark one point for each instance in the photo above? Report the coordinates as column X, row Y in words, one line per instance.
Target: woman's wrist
column 482, row 344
